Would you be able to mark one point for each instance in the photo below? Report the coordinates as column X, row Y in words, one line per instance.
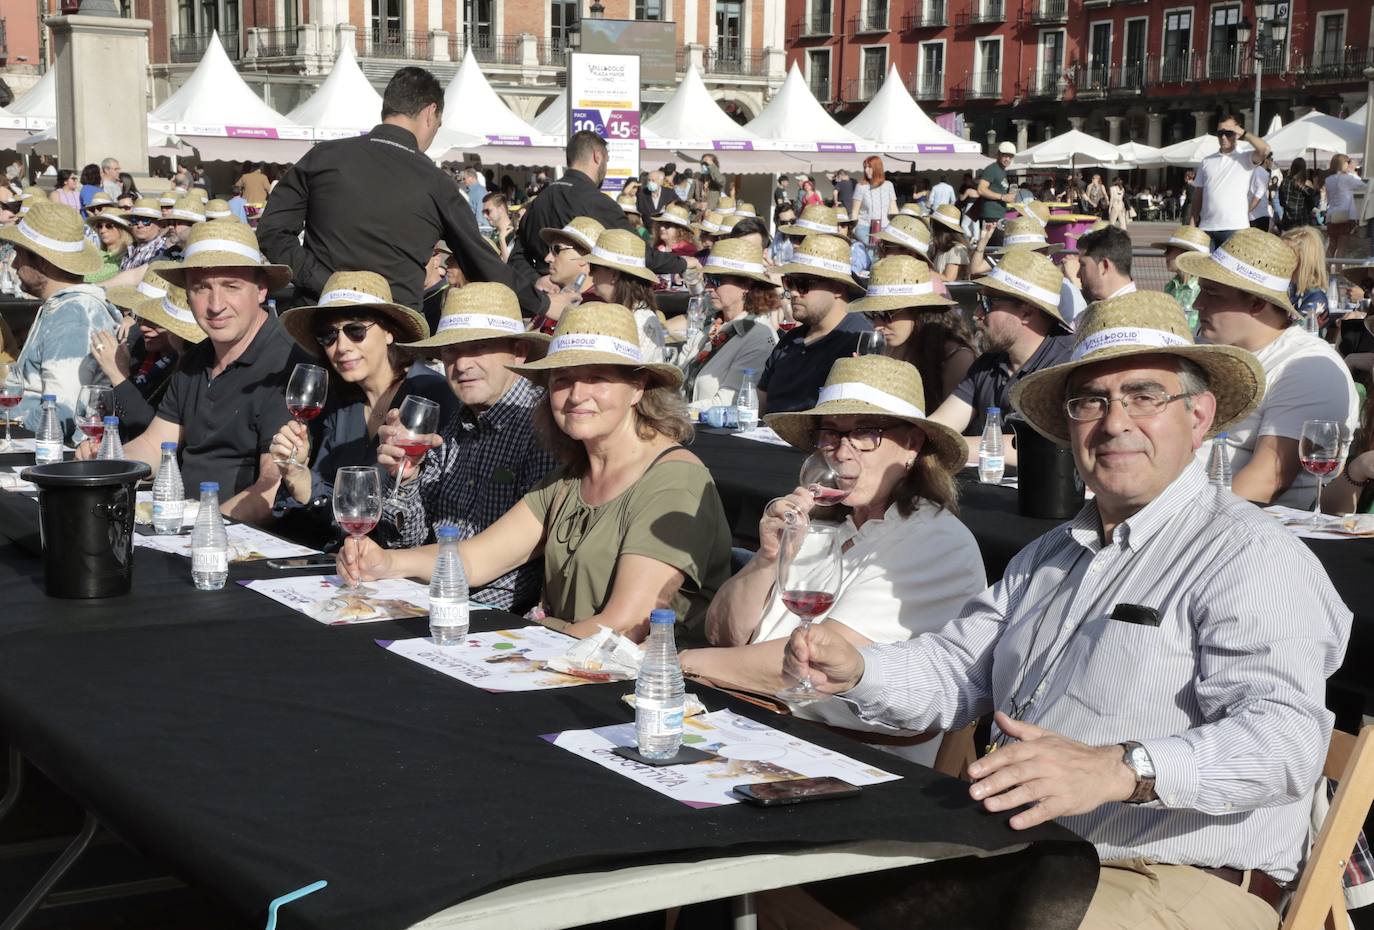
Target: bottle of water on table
column 747, row 402
column 111, row 449
column 169, row 494
column 47, row 442
column 209, row 543
column 1219, row 463
column 448, row 592
column 991, row 463
column 660, row 697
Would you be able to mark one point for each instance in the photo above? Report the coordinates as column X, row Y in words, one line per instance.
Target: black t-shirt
column 229, row 421
column 989, row 382
column 795, row 372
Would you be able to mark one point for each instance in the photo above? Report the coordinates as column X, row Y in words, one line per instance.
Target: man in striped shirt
column 1157, row 666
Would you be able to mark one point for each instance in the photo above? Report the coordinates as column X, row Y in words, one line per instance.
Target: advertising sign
column 603, row 97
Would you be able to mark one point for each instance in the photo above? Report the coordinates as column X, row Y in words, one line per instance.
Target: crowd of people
column 1185, row 746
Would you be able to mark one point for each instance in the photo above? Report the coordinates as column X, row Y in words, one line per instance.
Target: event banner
column 603, row 97
column 742, row 751
column 506, row 660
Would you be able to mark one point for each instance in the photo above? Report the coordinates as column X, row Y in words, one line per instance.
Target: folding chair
column 1320, row 899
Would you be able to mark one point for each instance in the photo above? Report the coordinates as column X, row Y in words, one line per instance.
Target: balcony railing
column 862, row 89
column 553, row 51
column 1226, row 63
column 1336, row 64
column 929, row 86
column 1046, row 83
column 486, row 48
column 278, row 43
column 741, row 61
column 1126, row 80
column 1092, row 80
column 932, row 15
column 191, row 47
column 820, row 89
column 982, row 12
column 983, row 85
column 1050, row 11
column 873, row 19
column 1172, row 69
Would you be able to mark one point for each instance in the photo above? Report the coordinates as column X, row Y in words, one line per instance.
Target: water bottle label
column 658, row 717
column 209, row 560
column 46, row 452
column 168, row 510
column 448, row 613
column 991, row 462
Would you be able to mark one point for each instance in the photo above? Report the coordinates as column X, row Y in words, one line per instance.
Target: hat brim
column 87, row 261
column 791, row 230
column 278, row 276
column 150, row 310
column 672, row 220
column 644, row 274
column 299, row 322
column 994, row 284
column 1185, row 249
column 126, row 298
column 899, row 302
column 539, row 342
column 1047, row 248
column 551, row 234
column 111, row 217
column 946, row 222
column 1234, row 377
column 809, row 271
column 709, row 268
column 795, row 429
column 667, row 375
column 1202, row 266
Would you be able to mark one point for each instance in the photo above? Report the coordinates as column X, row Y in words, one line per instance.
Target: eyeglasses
column 1137, row 404
column 558, row 248
column 356, row 331
column 985, row 302
column 1225, row 134
column 861, row 439
column 800, row 285
column 879, row 316
column 141, row 221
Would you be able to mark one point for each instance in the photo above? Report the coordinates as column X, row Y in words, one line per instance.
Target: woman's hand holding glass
column 292, row 444
column 360, row 559
column 778, row 515
column 390, row 455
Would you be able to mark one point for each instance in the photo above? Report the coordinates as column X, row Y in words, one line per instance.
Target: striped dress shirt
column 1226, row 693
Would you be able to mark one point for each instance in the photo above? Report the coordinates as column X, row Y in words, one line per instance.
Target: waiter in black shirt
column 393, row 233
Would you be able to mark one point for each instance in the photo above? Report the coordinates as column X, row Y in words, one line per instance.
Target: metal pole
column 1368, row 164
column 1259, row 73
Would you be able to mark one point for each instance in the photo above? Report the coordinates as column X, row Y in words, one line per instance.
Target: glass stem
column 400, row 472
column 1317, row 507
column 805, row 684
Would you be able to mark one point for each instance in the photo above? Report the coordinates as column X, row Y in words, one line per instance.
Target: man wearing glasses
column 1158, row 687
column 1221, row 188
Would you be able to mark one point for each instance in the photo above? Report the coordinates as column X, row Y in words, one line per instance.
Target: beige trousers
column 1133, row 894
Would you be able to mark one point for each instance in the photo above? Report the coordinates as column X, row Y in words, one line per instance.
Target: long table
column 257, row 751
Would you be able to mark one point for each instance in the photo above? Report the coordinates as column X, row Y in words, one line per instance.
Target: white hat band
column 593, row 342
column 857, row 390
column 575, row 233
column 187, row 215
column 749, row 213
column 710, row 227
column 673, row 219
column 218, row 214
column 818, row 227
column 479, row 321
column 1023, row 286
column 346, row 295
column 177, row 313
column 608, row 255
column 1024, row 238
column 1126, row 336
column 145, row 212
column 906, row 239
column 48, row 242
column 733, row 264
column 147, row 290
column 815, row 261
column 901, row 290
column 222, row 245
column 1185, row 244
column 1249, row 272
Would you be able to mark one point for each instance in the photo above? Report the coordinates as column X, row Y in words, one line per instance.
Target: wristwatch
column 1138, row 760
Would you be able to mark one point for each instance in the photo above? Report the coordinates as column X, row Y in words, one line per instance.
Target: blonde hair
column 1308, row 245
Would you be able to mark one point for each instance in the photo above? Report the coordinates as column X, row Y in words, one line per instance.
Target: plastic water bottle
column 1219, row 463
column 660, row 698
column 47, row 442
column 747, row 402
column 209, row 544
column 448, row 592
column 111, row 449
column 991, row 463
column 1311, row 323
column 169, row 494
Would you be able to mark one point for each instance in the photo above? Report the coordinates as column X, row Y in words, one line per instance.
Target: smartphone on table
column 795, row 791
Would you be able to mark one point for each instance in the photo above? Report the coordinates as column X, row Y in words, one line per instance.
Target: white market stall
column 1190, row 152
column 899, row 127
column 503, row 137
column 692, row 123
column 795, row 124
column 1317, row 136
column 1073, row 149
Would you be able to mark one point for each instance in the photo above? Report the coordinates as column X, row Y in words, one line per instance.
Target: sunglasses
column 1225, row 134
column 879, row 316
column 356, row 331
column 141, row 221
column 559, row 248
column 800, row 285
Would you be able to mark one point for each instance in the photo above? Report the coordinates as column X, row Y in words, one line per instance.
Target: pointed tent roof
column 1191, row 152
column 1317, row 132
column 795, row 120
column 554, row 119
column 1070, row 148
column 39, row 105
column 1359, row 116
column 894, row 118
column 346, row 102
column 1139, row 155
column 482, row 111
column 692, row 119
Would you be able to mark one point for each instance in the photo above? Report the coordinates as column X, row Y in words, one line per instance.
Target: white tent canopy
column 794, row 120
column 1358, row 117
column 45, row 143
column 1139, row 155
column 470, row 99
column 1073, row 148
column 1190, row 152
column 691, row 119
column 554, row 120
column 38, row 106
column 346, row 104
column 896, row 122
column 1317, row 133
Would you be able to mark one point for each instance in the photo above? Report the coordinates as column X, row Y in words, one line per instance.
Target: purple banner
column 835, row 147
column 249, row 132
column 588, row 121
column 508, row 140
column 935, row 147
column 623, row 125
column 732, row 145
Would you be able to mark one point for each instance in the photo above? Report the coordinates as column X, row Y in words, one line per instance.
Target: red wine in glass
column 414, row 449
column 808, row 604
column 418, row 417
column 1319, row 451
column 10, row 400
column 810, row 570
column 357, row 502
column 1322, row 468
column 827, row 497
column 304, row 413
column 357, row 526
column 305, row 393
column 93, row 428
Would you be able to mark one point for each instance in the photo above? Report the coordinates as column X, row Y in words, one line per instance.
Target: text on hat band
column 816, row 261
column 347, row 295
column 818, row 227
column 1017, row 283
column 608, row 255
column 478, row 321
column 177, row 313
column 594, row 342
column 1249, row 272
column 1126, row 336
column 901, row 290
column 906, row 239
column 720, row 261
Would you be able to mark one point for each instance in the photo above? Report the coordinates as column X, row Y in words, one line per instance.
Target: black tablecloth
column 257, row 751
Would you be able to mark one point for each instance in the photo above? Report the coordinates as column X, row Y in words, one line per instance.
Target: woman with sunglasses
column 355, row 330
column 620, row 275
column 115, row 241
column 742, row 335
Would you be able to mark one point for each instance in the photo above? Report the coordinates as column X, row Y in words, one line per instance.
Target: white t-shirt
column 1225, row 184
column 1259, row 187
column 902, row 577
column 1305, row 379
column 1340, row 197
column 942, row 193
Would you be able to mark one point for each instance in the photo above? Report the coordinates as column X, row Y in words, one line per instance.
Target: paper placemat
column 1356, row 526
column 246, row 544
column 323, row 598
column 505, row 660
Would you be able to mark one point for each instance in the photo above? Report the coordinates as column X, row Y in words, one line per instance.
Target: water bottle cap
column 1222, row 435
column 994, row 410
column 446, row 532
column 49, row 397
column 209, row 486
column 169, row 447
column 662, row 615
column 748, row 371
column 112, row 421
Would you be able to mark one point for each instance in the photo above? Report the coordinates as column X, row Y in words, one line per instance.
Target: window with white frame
column 1330, row 38
column 930, row 76
column 987, row 68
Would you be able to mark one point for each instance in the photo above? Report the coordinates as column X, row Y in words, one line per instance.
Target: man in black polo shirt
column 1023, row 332
column 227, row 399
column 821, row 285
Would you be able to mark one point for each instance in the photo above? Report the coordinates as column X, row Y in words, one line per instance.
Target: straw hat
column 1026, row 233
column 218, row 210
column 624, row 251
column 146, row 207
column 189, row 208
column 948, row 215
column 675, row 214
column 171, row 196
column 598, row 334
column 100, row 201
column 1028, row 276
column 709, row 224
column 843, row 218
column 202, row 193
column 153, row 287
column 725, row 205
column 728, row 223
column 744, row 208
column 54, row 232
column 481, row 310
column 1140, row 323
column 821, row 256
column 353, row 290
column 1186, row 239
column 1098, row 225
column 741, row 258
column 1252, row 261
column 226, row 244
column 107, row 216
column 900, row 282
column 872, row 385
column 580, row 231
column 628, row 203
column 817, row 218
column 909, row 233
column 172, row 312
column 1035, row 210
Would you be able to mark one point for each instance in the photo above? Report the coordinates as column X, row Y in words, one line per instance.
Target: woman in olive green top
column 631, row 521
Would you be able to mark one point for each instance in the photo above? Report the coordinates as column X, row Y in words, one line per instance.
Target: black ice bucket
column 1047, row 482
column 86, row 522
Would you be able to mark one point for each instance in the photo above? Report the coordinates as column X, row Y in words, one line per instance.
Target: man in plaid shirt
column 487, row 457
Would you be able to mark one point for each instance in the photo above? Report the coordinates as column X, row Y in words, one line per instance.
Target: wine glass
column 419, row 417
column 305, row 393
column 1319, row 450
column 871, row 342
column 809, row 576
column 11, row 393
column 357, row 503
column 94, row 402
column 821, row 480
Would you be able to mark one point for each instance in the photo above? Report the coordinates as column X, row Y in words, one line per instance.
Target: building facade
column 1155, row 72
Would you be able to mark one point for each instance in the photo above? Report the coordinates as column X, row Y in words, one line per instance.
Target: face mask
column 652, row 187
column 705, row 166
column 12, row 171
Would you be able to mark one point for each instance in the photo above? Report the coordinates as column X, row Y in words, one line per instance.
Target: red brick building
column 1155, row 72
